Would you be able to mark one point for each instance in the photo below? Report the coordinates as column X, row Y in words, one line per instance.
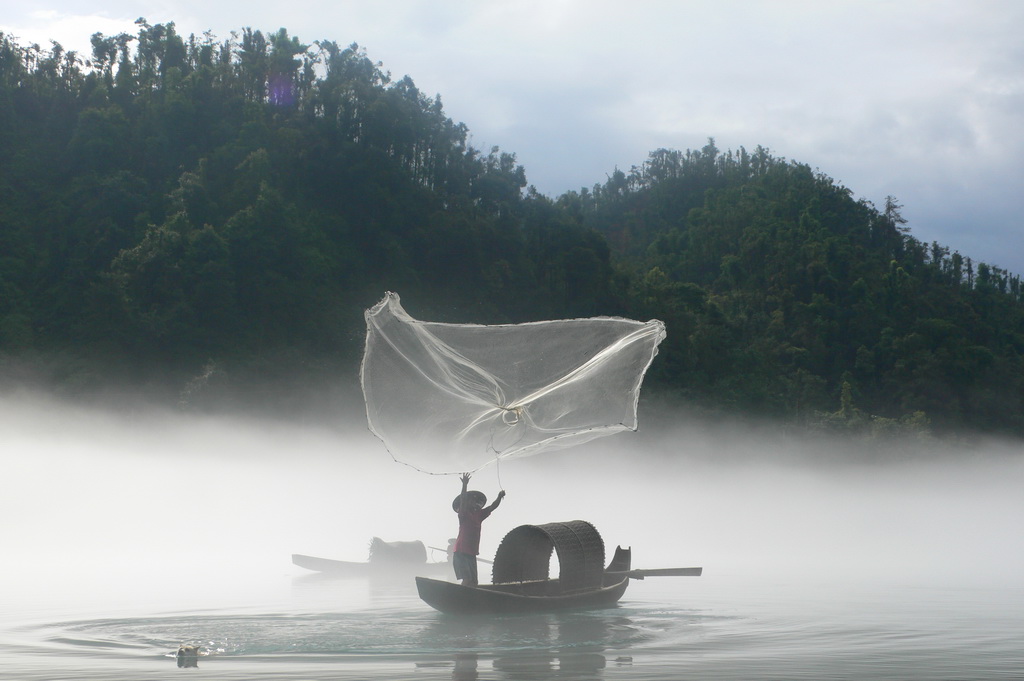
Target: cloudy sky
column 919, row 99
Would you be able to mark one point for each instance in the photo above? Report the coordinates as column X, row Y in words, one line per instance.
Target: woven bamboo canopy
column 525, row 554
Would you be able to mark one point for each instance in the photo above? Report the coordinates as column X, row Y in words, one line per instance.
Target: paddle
column 482, row 560
column 665, row 572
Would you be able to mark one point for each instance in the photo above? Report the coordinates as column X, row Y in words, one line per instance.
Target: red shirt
column 469, row 530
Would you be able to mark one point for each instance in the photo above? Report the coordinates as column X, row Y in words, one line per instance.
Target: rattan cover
column 525, row 554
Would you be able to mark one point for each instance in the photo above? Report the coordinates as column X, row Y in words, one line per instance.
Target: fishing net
column 455, row 397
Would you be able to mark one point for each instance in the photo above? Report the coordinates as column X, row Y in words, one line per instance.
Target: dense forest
column 206, row 220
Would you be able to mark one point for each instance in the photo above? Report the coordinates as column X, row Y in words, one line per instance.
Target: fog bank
column 138, row 491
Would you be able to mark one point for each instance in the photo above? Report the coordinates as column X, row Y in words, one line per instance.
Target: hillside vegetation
column 208, row 220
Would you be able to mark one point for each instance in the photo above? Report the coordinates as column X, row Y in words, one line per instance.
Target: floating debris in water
column 188, row 656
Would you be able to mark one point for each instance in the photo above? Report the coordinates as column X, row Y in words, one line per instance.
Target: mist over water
column 136, row 487
column 125, row 512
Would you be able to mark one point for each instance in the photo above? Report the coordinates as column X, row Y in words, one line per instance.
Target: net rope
column 447, row 398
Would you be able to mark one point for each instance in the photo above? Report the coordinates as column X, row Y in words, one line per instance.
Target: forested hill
column 208, row 219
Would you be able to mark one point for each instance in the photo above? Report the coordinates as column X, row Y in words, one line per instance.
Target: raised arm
column 497, row 501
column 465, row 486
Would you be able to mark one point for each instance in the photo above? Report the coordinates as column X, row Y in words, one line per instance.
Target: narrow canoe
column 345, row 568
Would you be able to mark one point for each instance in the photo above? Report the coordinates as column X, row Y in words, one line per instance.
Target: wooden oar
column 482, row 560
column 666, row 572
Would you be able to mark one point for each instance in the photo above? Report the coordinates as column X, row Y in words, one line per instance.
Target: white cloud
column 72, row 31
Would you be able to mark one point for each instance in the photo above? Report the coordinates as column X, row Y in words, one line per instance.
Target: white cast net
column 455, row 397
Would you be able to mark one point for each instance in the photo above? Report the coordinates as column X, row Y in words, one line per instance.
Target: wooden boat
column 520, row 574
column 345, row 568
column 539, row 595
column 387, row 560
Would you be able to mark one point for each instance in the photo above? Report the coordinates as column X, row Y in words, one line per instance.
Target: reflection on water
column 543, row 646
column 392, row 630
column 533, row 646
column 713, row 628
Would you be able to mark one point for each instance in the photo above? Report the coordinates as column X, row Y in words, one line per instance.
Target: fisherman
column 470, row 507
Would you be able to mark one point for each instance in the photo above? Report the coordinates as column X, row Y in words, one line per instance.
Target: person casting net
column 448, row 398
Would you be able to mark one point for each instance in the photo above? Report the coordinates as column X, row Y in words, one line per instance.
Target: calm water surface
column 281, row 624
